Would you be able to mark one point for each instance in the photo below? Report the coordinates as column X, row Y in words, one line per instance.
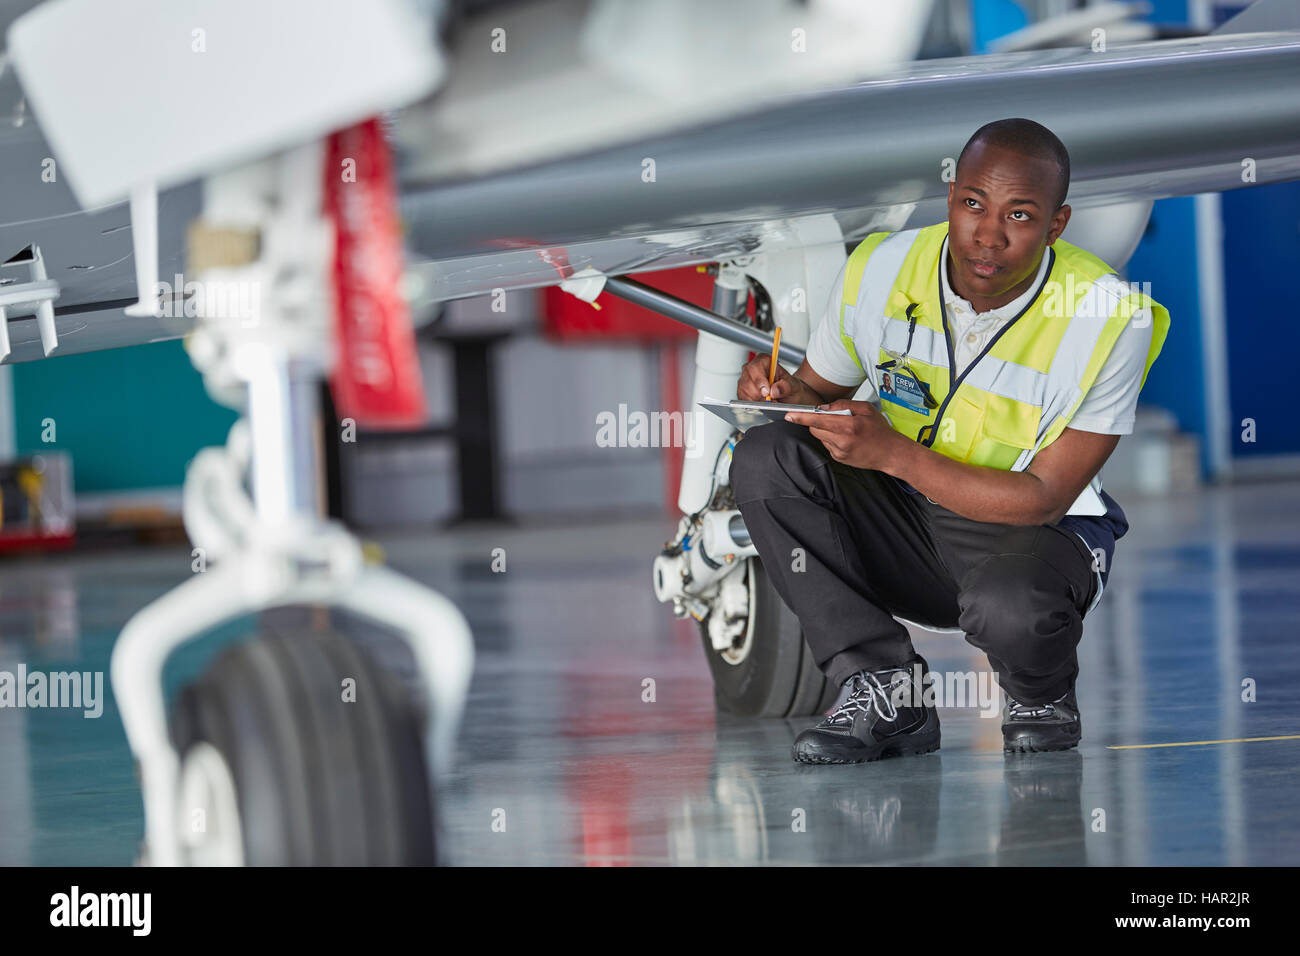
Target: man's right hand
column 753, row 385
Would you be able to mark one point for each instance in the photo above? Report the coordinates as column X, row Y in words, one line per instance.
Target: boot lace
column 1019, row 711
column 867, row 694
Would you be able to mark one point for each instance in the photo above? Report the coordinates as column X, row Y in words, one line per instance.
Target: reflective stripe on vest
column 1020, row 393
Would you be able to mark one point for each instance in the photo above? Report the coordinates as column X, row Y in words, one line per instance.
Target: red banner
column 376, row 380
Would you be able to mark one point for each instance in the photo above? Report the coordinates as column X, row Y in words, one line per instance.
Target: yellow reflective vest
column 1020, row 392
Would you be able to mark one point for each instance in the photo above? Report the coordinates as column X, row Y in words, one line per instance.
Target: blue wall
column 1261, row 264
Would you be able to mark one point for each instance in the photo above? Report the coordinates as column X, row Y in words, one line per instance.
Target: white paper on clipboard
column 1088, row 503
column 745, row 415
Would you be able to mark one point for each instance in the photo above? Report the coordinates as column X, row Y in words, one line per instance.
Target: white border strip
column 1214, row 334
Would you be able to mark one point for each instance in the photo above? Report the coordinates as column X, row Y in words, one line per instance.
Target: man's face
column 1001, row 216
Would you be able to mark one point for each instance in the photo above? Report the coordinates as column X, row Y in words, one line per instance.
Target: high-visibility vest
column 1020, row 392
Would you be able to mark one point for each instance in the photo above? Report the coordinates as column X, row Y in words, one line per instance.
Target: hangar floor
column 560, row 747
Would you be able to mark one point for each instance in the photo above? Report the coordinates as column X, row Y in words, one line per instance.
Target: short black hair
column 1028, row 138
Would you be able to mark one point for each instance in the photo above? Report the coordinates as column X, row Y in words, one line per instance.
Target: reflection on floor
column 563, row 761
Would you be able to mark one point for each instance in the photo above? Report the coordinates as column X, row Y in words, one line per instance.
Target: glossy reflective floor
column 562, row 761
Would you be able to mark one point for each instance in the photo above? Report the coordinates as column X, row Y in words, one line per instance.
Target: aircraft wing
column 1142, row 121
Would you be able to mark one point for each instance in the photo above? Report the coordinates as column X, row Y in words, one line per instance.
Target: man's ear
column 1059, row 222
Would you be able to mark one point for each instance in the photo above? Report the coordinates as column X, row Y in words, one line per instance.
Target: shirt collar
column 1004, row 312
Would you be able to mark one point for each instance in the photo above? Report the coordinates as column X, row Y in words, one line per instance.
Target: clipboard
column 745, row 415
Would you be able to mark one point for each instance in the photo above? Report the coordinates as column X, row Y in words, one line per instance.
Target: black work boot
column 878, row 714
column 1032, row 728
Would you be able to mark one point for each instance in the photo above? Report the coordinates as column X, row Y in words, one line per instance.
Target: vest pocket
column 1020, row 433
column 959, row 428
column 1009, row 427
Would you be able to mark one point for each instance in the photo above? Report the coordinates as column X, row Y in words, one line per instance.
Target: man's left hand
column 863, row 439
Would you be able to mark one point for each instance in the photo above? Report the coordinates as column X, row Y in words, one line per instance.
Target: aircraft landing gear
column 293, row 748
column 767, row 670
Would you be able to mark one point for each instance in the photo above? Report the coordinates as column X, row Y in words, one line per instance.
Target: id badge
column 902, row 389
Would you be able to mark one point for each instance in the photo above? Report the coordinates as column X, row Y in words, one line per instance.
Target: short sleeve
column 1110, row 407
column 826, row 354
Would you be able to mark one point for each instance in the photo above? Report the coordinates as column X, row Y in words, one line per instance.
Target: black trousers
column 847, row 548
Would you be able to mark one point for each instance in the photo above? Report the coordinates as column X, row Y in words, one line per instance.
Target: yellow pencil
column 771, row 373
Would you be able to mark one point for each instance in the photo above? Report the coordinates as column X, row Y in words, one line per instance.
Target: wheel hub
column 731, row 625
column 208, row 809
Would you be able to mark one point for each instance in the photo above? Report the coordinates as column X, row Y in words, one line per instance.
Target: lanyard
column 911, row 331
column 930, row 400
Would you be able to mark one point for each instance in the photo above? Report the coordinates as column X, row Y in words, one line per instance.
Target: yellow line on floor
column 1197, row 743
